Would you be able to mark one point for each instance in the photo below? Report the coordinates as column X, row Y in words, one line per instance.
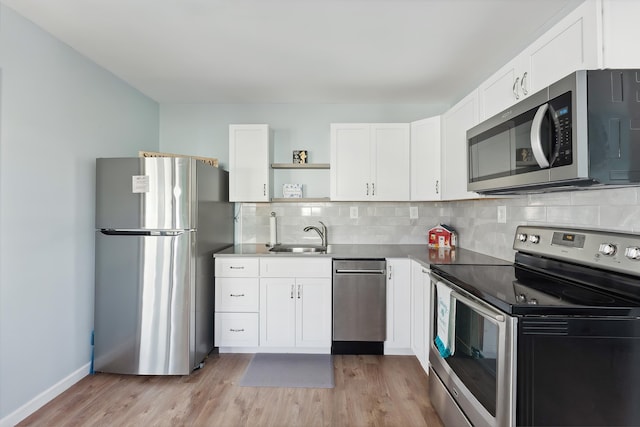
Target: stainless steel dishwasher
column 359, row 306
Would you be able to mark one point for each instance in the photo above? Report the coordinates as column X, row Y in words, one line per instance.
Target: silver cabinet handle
column 298, row 291
column 523, row 84
column 373, row 188
column 236, row 268
column 236, row 295
column 292, row 286
column 264, row 189
column 425, row 271
column 367, row 188
column 515, row 88
column 389, row 268
column 437, row 186
column 236, row 330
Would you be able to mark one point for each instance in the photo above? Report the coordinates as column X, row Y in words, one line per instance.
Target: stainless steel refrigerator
column 158, row 223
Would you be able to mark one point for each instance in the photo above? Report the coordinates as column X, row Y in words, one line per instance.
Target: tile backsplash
column 476, row 221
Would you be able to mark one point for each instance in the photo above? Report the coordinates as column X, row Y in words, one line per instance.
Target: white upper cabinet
column 425, row 160
column 249, row 163
column 621, row 33
column 370, row 162
column 571, row 45
column 350, row 161
column 503, row 89
column 455, row 124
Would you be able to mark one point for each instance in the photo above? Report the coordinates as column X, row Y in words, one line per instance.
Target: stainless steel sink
column 299, row 249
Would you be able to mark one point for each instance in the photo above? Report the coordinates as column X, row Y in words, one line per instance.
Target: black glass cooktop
column 520, row 291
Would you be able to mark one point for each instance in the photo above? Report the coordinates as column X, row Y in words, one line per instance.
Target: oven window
column 475, row 356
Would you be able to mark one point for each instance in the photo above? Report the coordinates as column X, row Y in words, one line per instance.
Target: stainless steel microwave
column 581, row 131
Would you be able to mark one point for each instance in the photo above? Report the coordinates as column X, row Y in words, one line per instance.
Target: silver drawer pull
column 237, row 268
column 236, row 330
column 236, row 295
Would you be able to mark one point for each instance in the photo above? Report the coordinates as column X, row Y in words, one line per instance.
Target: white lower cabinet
column 236, row 304
column 420, row 313
column 295, row 312
column 236, row 330
column 398, row 307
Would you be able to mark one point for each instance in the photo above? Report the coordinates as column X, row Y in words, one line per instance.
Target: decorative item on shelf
column 292, row 191
column 442, row 236
column 206, row 160
column 300, row 156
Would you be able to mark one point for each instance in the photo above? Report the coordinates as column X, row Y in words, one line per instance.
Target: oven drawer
column 445, row 406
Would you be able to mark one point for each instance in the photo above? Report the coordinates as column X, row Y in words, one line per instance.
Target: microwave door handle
column 536, row 140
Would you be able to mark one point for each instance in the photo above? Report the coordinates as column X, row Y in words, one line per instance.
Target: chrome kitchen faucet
column 322, row 234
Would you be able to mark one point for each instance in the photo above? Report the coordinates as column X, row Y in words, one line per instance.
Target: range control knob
column 632, row 252
column 534, row 239
column 522, row 237
column 608, row 249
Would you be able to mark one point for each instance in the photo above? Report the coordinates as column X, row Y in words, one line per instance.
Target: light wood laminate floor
column 369, row 391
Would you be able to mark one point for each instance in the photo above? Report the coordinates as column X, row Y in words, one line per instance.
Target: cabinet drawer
column 236, row 329
column 237, row 267
column 237, row 294
column 295, row 267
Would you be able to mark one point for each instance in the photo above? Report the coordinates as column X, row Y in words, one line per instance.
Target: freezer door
column 143, row 303
column 145, row 193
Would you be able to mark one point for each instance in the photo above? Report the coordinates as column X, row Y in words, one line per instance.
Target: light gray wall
column 476, row 221
column 59, row 111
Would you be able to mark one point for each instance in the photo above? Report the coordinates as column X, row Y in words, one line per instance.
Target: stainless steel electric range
column 552, row 339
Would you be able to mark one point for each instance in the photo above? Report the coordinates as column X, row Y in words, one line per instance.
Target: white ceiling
column 298, row 51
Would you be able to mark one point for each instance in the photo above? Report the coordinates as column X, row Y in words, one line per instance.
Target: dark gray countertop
column 420, row 253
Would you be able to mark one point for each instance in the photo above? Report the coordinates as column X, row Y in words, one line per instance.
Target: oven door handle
column 478, row 307
column 471, row 303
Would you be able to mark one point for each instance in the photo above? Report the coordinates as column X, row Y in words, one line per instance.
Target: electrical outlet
column 413, row 212
column 502, row 214
column 353, row 212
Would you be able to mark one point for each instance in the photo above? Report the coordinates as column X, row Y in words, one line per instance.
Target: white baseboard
column 45, row 397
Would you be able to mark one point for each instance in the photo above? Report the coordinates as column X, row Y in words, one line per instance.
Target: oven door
column 479, row 373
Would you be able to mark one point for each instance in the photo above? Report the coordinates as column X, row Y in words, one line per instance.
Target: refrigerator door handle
column 111, row 232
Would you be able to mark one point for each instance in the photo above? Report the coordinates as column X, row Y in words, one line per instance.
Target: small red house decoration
column 442, row 236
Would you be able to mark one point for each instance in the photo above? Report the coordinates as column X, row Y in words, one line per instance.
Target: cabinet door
column 503, row 89
column 398, row 305
column 455, row 124
column 350, row 162
column 390, row 165
column 620, row 33
column 277, row 312
column 425, row 159
column 570, row 45
column 249, row 169
column 313, row 313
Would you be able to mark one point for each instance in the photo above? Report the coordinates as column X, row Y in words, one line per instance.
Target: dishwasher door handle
column 360, row 272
